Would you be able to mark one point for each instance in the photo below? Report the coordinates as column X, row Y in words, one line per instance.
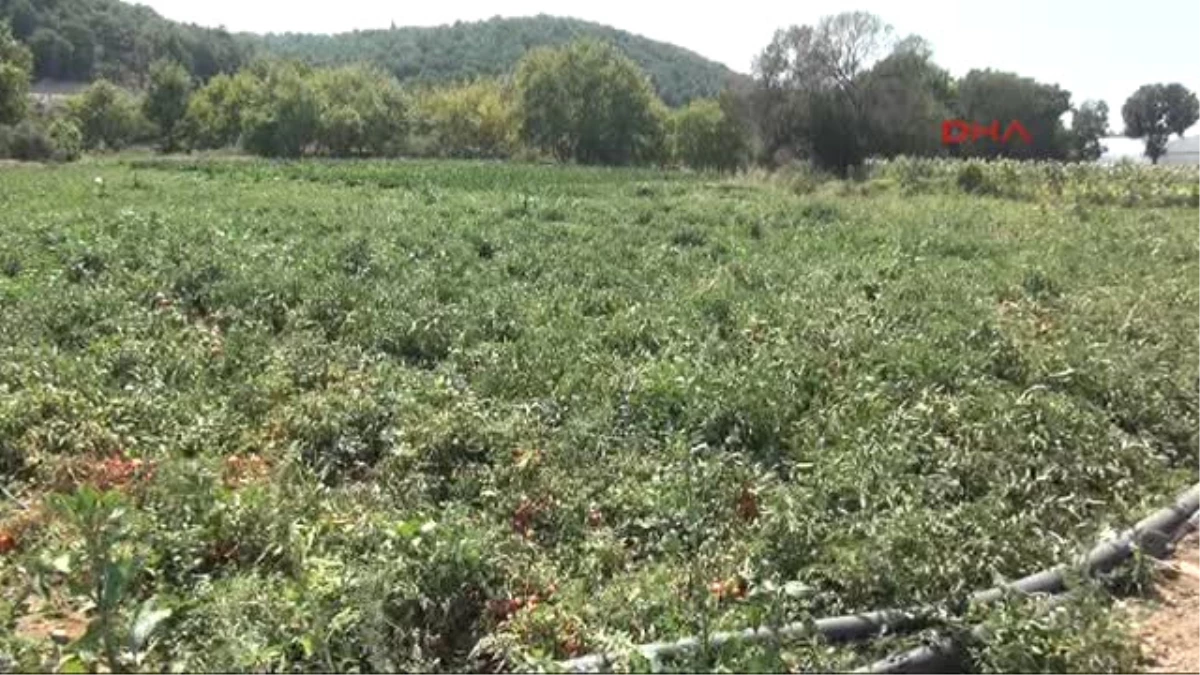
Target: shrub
column 167, row 100
column 970, row 178
column 107, row 116
column 703, row 137
column 471, row 120
column 67, row 139
column 27, row 142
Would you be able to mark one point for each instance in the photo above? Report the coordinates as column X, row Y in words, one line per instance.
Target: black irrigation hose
column 1153, row 533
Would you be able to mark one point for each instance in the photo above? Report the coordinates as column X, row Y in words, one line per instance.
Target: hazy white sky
column 1096, row 49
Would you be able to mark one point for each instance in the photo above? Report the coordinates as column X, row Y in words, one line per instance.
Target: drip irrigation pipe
column 1154, row 534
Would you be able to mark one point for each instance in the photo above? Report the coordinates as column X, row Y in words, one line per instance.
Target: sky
column 1096, row 49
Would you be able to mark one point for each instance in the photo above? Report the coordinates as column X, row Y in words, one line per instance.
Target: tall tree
column 590, row 103
column 106, row 115
column 16, row 67
column 810, row 99
column 52, row 53
column 1088, row 126
column 166, row 100
column 988, row 96
column 907, row 97
column 1183, row 110
column 1145, row 114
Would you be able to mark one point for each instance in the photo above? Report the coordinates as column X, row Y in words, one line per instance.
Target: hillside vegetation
column 467, row 50
column 87, row 39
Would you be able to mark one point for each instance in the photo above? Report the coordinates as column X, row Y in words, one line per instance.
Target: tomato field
column 412, row 416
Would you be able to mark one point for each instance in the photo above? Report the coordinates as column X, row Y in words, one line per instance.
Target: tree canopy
column 89, row 39
column 15, row 65
column 1155, row 111
column 589, row 103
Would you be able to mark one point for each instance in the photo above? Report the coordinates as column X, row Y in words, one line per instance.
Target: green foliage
column 102, row 569
column 1088, row 126
column 15, row 71
column 1183, row 108
column 704, row 137
column 466, row 51
column 52, row 52
column 214, row 114
column 283, row 117
column 985, row 96
column 477, row 119
column 588, row 103
column 1145, row 116
column 1082, row 635
column 970, row 178
column 27, row 141
column 166, row 100
column 67, row 139
column 843, row 90
column 1128, row 185
column 907, row 95
column 82, row 39
column 107, row 116
column 363, row 111
column 387, row 403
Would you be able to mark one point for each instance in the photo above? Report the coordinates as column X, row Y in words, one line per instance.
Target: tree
column 52, row 53
column 589, row 103
column 106, row 116
column 811, row 99
column 1145, row 115
column 478, row 119
column 363, row 110
column 23, row 19
column 214, row 113
column 1183, row 110
column 988, row 96
column 704, row 137
column 166, row 100
column 16, row 67
column 284, row 116
column 1089, row 125
column 907, row 97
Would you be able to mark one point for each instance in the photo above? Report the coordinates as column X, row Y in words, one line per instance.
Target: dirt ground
column 1169, row 625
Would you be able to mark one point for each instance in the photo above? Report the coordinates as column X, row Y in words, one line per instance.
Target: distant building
column 1184, row 150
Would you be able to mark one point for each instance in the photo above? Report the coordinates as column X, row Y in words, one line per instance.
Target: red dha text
column 959, row 131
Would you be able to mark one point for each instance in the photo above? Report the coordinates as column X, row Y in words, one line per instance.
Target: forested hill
column 494, row 46
column 87, row 39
